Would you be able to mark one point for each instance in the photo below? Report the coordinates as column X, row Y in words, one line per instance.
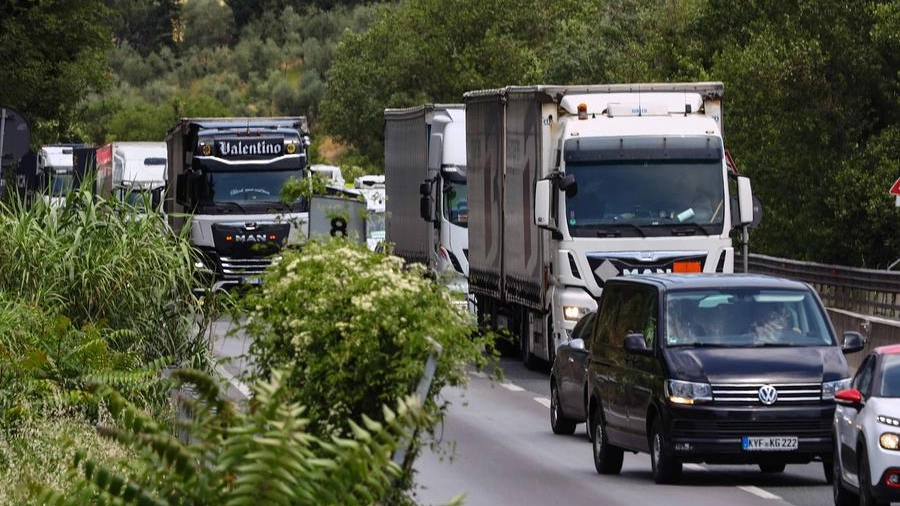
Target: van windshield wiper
column 688, row 228
column 698, row 344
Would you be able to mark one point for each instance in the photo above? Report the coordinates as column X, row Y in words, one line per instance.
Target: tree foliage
column 52, row 54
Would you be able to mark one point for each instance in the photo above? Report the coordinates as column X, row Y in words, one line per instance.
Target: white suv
column 867, row 432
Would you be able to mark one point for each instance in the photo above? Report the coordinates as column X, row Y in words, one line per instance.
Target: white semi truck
column 572, row 185
column 134, row 170
column 228, row 174
column 56, row 172
column 425, row 188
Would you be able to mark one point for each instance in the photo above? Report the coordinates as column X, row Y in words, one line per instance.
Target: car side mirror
column 850, row 397
column 634, row 343
column 577, row 343
column 853, row 342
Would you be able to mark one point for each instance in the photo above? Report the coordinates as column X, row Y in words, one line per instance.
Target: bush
column 355, row 328
column 230, row 457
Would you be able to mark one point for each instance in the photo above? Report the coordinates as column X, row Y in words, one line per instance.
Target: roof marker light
column 582, row 111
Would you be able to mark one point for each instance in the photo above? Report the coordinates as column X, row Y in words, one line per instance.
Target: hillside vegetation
column 812, row 101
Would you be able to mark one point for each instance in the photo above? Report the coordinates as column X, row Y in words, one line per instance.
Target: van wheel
column 608, row 459
column 770, row 467
column 558, row 421
column 666, row 468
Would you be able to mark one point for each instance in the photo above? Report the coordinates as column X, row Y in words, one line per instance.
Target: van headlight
column 830, row 387
column 688, row 392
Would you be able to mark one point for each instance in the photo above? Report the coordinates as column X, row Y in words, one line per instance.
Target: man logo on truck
column 250, row 238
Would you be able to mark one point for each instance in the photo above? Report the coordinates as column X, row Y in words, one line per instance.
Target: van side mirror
column 634, row 343
column 853, row 342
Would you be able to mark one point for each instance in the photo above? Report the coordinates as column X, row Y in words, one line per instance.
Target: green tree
column 438, row 50
column 53, row 54
column 145, row 25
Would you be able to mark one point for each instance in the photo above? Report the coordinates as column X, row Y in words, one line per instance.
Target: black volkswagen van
column 714, row 368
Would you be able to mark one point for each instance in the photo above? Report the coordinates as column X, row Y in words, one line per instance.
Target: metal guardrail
column 865, row 291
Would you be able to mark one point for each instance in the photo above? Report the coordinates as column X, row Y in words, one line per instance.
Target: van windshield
column 744, row 317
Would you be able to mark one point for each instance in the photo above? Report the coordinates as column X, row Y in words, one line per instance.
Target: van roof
column 712, row 280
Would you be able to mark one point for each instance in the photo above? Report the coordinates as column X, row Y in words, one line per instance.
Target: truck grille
column 233, row 268
column 789, row 394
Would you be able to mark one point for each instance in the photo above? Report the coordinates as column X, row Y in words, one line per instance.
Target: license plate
column 252, row 281
column 769, row 443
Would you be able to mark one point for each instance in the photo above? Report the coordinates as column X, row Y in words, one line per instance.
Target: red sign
column 895, row 190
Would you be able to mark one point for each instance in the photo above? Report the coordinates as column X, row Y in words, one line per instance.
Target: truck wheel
column 531, row 362
column 666, row 468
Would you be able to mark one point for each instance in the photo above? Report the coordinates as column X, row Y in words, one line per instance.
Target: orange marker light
column 683, row 267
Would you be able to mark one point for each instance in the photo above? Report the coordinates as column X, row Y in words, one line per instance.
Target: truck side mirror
column 745, row 200
column 542, row 203
column 182, row 189
column 426, row 208
column 425, row 189
column 568, row 184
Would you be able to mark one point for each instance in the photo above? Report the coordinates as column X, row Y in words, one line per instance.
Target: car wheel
column 558, row 421
column 772, row 467
column 865, row 482
column 608, row 459
column 666, row 468
column 842, row 495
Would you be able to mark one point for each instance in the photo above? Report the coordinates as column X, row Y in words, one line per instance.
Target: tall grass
column 103, row 263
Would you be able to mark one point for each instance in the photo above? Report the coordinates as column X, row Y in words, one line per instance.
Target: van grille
column 788, row 393
column 802, row 427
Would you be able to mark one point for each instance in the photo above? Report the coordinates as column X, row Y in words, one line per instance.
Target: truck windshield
column 247, row 186
column 61, row 183
column 744, row 317
column 456, row 203
column 637, row 196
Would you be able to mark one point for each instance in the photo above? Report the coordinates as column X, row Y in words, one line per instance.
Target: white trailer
column 572, row 185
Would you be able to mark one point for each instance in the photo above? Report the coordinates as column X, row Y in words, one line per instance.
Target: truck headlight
column 830, row 387
column 574, row 313
column 688, row 392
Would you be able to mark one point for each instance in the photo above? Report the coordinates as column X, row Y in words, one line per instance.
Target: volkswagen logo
column 768, row 395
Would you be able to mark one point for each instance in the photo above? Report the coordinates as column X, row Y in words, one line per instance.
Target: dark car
column 867, row 432
column 568, row 381
column 714, row 368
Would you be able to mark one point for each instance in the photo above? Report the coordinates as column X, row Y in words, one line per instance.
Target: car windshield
column 890, row 376
column 639, row 197
column 742, row 317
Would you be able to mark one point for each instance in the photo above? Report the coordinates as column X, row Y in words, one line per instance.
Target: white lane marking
column 543, row 401
column 242, row 388
column 695, row 467
column 512, row 387
column 759, row 492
